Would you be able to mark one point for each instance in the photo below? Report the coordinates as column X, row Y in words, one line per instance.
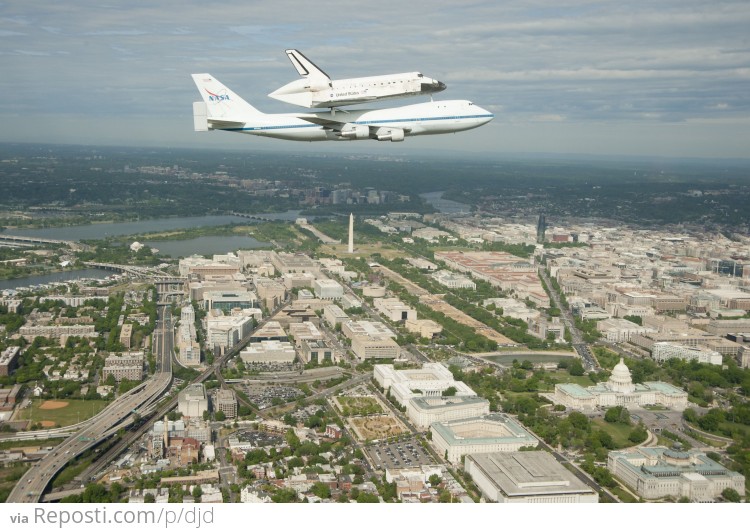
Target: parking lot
column 401, row 454
column 259, row 439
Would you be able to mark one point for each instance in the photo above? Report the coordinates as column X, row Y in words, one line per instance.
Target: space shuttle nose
column 432, row 85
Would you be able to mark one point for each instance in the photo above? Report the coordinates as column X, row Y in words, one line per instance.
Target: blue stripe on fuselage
column 373, row 122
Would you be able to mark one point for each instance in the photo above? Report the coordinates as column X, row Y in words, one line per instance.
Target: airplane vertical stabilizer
column 221, row 102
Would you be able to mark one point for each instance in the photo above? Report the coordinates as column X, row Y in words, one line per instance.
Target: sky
column 637, row 78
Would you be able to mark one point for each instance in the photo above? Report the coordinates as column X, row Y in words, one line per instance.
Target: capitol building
column 619, row 390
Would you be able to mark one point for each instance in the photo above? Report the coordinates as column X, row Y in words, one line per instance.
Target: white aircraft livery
column 317, row 90
column 222, row 109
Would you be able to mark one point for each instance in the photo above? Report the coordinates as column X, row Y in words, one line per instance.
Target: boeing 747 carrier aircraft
column 222, row 109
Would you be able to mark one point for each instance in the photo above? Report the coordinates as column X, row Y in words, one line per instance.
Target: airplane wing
column 357, row 131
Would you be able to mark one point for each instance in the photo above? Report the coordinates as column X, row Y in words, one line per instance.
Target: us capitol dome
column 619, row 390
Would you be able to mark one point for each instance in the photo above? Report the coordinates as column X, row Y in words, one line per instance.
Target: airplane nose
column 485, row 115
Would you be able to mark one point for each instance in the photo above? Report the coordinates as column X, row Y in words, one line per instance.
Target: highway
column 31, row 486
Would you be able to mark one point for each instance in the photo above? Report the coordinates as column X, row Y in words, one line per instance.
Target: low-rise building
column 526, row 477
column 328, row 289
column 367, row 348
column 271, row 293
column 663, row 351
column 656, row 472
column 453, row 280
column 305, row 330
column 494, row 432
column 423, row 411
column 394, row 309
column 271, row 330
column 226, row 300
column 123, row 366
column 57, row 331
column 424, row 328
column 269, row 352
column 618, row 330
column 370, row 328
column 316, row 351
column 431, row 380
column 333, row 314
column 298, row 280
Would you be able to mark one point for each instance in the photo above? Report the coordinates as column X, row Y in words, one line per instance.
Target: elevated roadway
column 31, row 486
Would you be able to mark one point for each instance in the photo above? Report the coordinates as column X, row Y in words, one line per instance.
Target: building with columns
column 619, row 390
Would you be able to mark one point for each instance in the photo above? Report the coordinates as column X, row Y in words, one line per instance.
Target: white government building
column 657, row 472
column 268, row 352
column 526, row 477
column 619, row 390
column 428, row 381
column 423, row 411
column 662, row 351
column 494, row 432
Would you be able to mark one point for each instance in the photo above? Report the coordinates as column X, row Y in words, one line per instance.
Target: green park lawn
column 618, row 431
column 75, row 411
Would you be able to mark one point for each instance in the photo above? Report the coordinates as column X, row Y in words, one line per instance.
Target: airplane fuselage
column 439, row 117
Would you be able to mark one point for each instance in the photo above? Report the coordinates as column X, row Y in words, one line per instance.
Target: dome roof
column 621, row 381
column 621, row 371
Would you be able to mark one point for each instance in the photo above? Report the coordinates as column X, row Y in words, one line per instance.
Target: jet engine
column 352, row 131
column 386, row 134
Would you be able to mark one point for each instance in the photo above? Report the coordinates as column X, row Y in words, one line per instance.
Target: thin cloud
column 584, row 66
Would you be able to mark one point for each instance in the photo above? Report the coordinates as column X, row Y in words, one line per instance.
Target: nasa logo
column 215, row 98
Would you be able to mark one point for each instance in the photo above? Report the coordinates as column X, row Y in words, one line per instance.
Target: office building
column 431, row 380
column 328, row 289
column 526, row 477
column 367, row 348
column 657, row 472
column 423, row 411
column 494, row 432
column 226, row 402
column 269, row 352
column 192, row 401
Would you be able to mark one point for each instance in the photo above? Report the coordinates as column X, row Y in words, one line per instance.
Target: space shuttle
column 317, row 90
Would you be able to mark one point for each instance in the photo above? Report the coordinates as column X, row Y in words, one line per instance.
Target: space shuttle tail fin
column 307, row 69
